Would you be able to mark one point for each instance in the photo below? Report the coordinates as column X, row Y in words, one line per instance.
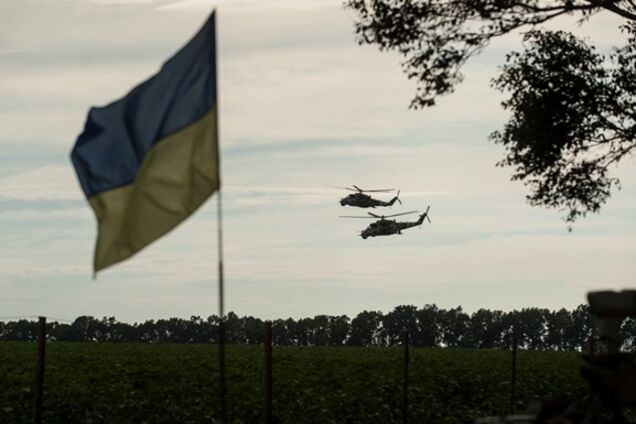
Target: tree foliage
column 573, row 113
column 428, row 326
column 571, row 119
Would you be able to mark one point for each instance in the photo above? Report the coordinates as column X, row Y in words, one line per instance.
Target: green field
column 137, row 383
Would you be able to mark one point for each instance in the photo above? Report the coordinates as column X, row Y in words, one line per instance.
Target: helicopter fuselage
column 362, row 200
column 387, row 227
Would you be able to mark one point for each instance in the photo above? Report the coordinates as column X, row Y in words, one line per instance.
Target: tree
column 401, row 319
column 530, row 327
column 338, row 330
column 454, row 327
column 583, row 326
column 428, row 326
column 253, row 327
column 321, row 330
column 557, row 322
column 486, row 328
column 304, row 332
column 280, row 332
column 573, row 113
column 366, row 329
column 628, row 334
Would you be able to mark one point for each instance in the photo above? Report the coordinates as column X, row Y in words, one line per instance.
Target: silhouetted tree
column 582, row 328
column 21, row 330
column 428, row 327
column 628, row 332
column 366, row 329
column 573, row 117
column 253, row 328
column 400, row 319
column 573, row 110
column 321, row 330
column 305, row 332
column 530, row 328
column 338, row 330
column 280, row 333
column 147, row 332
column 455, row 324
column 485, row 328
column 557, row 323
column 84, row 328
column 233, row 328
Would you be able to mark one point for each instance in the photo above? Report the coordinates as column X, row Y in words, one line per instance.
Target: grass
column 142, row 383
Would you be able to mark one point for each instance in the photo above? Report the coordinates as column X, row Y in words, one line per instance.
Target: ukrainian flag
column 149, row 160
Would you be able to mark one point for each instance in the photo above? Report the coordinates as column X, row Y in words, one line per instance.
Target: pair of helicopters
column 383, row 226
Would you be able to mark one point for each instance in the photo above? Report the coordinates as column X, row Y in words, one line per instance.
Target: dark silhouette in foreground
column 609, row 373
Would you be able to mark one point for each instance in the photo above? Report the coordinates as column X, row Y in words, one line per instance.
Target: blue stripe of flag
column 116, row 138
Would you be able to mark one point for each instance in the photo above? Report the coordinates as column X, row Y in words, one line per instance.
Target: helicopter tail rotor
column 425, row 215
column 395, row 199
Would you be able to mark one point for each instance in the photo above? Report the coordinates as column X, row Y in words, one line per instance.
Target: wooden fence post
column 39, row 372
column 513, row 377
column 405, row 378
column 268, row 373
column 222, row 375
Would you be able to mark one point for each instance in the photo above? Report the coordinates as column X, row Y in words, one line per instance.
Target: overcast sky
column 301, row 105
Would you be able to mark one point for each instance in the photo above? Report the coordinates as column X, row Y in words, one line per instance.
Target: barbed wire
column 34, row 317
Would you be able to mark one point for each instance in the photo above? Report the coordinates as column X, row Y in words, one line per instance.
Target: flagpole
column 222, row 381
column 219, row 208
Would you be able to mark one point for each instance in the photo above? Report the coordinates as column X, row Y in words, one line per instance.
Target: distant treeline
column 428, row 326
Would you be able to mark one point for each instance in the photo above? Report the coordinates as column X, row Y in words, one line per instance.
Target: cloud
column 301, row 105
column 45, row 183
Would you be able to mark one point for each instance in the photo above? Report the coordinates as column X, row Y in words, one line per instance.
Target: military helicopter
column 387, row 227
column 361, row 200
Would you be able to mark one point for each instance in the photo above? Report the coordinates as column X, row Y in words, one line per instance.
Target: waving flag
column 147, row 161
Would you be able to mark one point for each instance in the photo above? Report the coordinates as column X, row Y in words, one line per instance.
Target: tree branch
column 611, row 6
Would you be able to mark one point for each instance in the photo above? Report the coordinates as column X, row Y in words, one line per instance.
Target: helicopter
column 387, row 227
column 361, row 200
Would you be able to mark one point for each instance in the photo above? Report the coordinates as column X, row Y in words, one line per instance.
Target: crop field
column 146, row 383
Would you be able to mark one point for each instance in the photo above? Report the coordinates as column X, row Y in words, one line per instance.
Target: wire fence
column 268, row 353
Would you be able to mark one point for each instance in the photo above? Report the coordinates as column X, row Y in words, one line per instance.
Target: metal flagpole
column 219, row 208
column 222, row 382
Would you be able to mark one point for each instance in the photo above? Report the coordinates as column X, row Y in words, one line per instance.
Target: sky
column 301, row 105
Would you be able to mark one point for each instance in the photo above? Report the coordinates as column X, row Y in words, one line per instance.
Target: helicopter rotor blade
column 340, row 187
column 351, row 216
column 397, row 197
column 359, row 190
column 379, row 190
column 400, row 214
column 375, row 216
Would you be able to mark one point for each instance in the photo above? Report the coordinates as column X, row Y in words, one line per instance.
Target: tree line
column 428, row 326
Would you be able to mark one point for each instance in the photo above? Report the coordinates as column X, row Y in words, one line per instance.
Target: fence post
column 39, row 372
column 513, row 377
column 405, row 378
column 222, row 375
column 268, row 372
